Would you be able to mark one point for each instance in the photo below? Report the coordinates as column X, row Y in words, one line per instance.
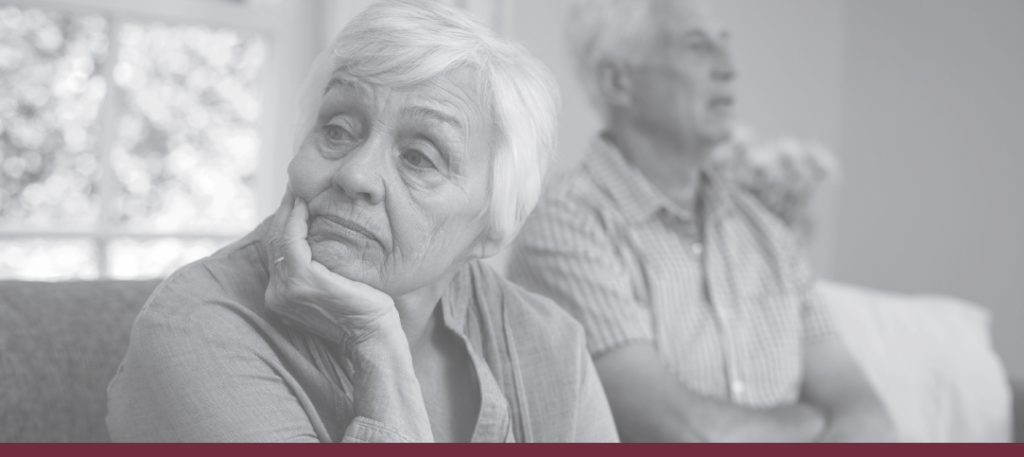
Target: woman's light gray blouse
column 207, row 362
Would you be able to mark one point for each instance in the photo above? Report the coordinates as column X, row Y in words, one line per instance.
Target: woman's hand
column 362, row 320
column 309, row 296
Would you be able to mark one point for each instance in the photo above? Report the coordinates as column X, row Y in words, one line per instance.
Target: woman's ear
column 615, row 84
column 491, row 244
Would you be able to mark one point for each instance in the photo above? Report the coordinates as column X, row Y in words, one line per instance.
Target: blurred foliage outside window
column 128, row 148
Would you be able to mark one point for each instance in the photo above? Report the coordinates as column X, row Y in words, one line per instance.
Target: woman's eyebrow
column 342, row 83
column 431, row 113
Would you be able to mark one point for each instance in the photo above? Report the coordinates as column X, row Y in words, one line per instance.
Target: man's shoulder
column 576, row 188
column 574, row 198
column 751, row 212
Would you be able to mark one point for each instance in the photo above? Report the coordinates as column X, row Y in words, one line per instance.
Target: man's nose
column 724, row 68
column 360, row 174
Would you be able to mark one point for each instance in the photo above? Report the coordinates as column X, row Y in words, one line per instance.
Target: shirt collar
column 638, row 198
column 635, row 196
column 716, row 195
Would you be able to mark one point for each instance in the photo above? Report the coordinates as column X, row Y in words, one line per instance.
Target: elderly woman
column 359, row 311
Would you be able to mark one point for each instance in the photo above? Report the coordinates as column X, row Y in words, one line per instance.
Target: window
column 132, row 134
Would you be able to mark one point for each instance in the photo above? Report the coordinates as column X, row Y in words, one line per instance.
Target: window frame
column 277, row 21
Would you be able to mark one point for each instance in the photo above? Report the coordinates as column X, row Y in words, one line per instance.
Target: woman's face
column 396, row 181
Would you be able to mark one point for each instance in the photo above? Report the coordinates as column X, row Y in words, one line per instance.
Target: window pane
column 142, row 259
column 47, row 259
column 187, row 148
column 51, row 90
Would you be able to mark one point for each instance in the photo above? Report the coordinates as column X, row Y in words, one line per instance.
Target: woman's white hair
column 403, row 43
column 613, row 31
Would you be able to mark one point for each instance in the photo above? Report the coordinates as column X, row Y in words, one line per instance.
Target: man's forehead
column 686, row 16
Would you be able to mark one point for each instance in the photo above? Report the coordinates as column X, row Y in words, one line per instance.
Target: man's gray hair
column 612, row 31
column 404, row 43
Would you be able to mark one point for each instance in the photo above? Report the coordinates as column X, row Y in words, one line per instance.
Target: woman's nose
column 360, row 174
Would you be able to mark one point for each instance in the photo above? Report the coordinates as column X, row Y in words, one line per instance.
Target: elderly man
column 700, row 313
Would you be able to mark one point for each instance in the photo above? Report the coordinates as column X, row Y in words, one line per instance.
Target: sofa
column 61, row 343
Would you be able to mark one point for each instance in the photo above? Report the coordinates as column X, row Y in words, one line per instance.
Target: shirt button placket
column 738, row 389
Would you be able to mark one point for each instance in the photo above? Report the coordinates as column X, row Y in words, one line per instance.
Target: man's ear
column 615, row 84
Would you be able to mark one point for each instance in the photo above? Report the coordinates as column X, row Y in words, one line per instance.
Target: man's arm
column 835, row 385
column 650, row 405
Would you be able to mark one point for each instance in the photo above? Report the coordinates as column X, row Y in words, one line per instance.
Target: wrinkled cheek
column 419, row 249
column 449, row 240
column 309, row 174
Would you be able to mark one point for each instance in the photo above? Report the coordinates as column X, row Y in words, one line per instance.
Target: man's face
column 683, row 89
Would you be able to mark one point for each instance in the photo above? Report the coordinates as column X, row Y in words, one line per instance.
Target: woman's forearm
column 385, row 384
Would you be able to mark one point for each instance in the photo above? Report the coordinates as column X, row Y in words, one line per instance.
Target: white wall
column 788, row 84
column 791, row 67
column 296, row 47
column 934, row 151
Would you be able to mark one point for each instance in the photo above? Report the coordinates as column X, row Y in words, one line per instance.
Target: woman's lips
column 347, row 229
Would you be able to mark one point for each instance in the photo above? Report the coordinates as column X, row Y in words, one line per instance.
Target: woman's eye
column 417, row 159
column 336, row 134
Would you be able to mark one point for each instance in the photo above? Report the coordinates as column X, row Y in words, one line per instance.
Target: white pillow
column 931, row 361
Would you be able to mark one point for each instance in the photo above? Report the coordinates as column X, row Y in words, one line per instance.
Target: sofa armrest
column 1018, row 410
column 936, row 388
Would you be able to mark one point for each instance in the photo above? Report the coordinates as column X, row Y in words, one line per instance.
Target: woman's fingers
column 277, row 226
column 296, row 250
column 363, row 307
column 310, row 296
column 281, row 215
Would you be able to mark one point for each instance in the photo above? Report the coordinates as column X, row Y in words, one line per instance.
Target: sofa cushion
column 931, row 360
column 60, row 344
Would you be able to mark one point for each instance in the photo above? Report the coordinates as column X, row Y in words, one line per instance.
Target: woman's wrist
column 368, row 333
column 384, row 381
column 377, row 340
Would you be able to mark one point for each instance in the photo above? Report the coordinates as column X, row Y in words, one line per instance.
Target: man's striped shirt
column 728, row 312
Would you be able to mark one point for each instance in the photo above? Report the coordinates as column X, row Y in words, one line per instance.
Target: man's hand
column 835, row 384
column 785, row 423
column 651, row 405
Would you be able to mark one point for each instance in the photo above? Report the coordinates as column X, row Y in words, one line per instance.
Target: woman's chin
column 360, row 265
